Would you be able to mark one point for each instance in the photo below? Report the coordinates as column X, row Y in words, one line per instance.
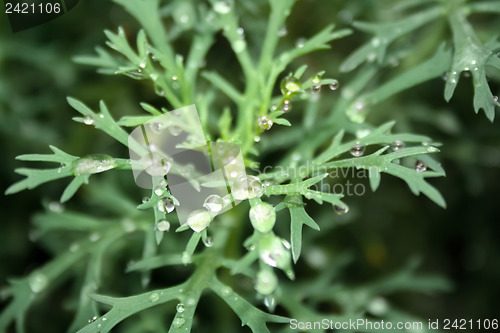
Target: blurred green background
column 383, row 230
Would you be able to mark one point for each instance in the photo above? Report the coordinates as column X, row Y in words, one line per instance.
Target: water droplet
column 163, row 225
column 334, row 85
column 495, row 99
column 99, row 325
column 174, row 78
column 178, row 322
column 104, row 319
column 300, row 42
column 265, row 123
column 157, row 128
column 199, row 219
column 357, row 150
column 208, row 242
column 340, row 210
column 286, row 107
column 273, row 108
column 159, row 190
column 270, row 303
column 375, row 42
column 88, row 120
column 289, row 85
column 266, row 282
column 166, row 205
column 239, row 46
column 316, row 89
column 248, row 187
column 154, row 297
column 143, row 63
column 145, row 199
column 378, row 306
column 398, row 145
column 93, row 163
column 56, row 207
column 222, row 7
column 94, row 237
column 420, row 166
column 316, row 79
column 158, row 166
column 38, row 282
column 214, row 203
column 282, row 31
column 91, row 320
column 241, row 32
column 180, row 308
column 256, row 138
column 262, row 217
column 175, row 130
column 226, row 291
column 273, row 252
column 191, row 302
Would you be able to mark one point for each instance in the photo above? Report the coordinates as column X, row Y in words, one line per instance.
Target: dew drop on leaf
column 226, row 291
column 198, row 220
column 334, row 85
column 180, row 308
column 56, row 207
column 154, row 297
column 420, row 166
column 248, row 187
column 38, row 282
column 222, row 7
column 178, row 322
column 289, row 85
column 270, row 303
column 282, row 31
column 88, row 120
column 175, row 130
column 163, row 225
column 93, row 163
column 398, row 145
column 340, row 210
column 357, row 150
column 262, row 217
column 213, row 203
column 300, row 42
column 265, row 123
column 186, row 258
column 208, row 242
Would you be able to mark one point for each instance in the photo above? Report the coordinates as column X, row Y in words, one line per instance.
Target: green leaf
column 249, row 315
column 385, row 33
column 299, row 217
column 471, row 55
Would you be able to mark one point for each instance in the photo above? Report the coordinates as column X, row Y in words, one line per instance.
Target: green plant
column 324, row 140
